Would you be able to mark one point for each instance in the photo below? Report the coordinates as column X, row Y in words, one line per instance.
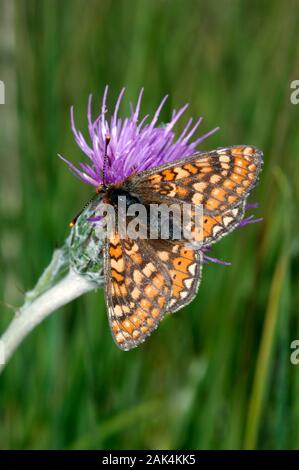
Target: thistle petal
column 134, row 146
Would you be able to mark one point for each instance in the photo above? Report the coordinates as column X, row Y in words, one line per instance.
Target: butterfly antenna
column 106, row 160
column 73, row 222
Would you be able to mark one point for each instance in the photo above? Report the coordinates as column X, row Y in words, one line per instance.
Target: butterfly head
column 100, row 189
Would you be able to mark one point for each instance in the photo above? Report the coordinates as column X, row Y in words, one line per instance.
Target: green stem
column 264, row 356
column 75, row 269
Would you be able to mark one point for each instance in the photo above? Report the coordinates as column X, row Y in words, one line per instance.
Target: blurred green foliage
column 216, row 375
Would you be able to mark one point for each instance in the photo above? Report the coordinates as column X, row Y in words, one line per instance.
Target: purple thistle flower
column 134, row 145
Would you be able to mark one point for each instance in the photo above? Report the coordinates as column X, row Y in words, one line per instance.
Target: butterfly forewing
column 218, row 180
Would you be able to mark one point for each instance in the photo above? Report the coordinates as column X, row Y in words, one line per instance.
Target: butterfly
column 146, row 278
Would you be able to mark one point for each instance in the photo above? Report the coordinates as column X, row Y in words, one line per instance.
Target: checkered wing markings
column 217, row 226
column 210, row 228
column 218, row 180
column 184, row 266
column 137, row 292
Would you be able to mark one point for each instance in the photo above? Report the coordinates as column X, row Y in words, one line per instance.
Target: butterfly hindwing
column 138, row 289
column 184, row 266
column 144, row 282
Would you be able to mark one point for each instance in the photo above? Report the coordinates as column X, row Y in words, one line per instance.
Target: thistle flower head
column 135, row 144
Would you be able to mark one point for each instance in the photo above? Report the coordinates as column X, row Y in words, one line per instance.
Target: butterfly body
column 146, row 278
column 115, row 192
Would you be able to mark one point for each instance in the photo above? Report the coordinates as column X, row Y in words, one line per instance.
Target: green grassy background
column 217, row 374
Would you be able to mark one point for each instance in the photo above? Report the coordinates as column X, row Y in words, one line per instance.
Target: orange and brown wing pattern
column 218, row 180
column 214, row 227
column 138, row 289
column 203, row 229
column 184, row 266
